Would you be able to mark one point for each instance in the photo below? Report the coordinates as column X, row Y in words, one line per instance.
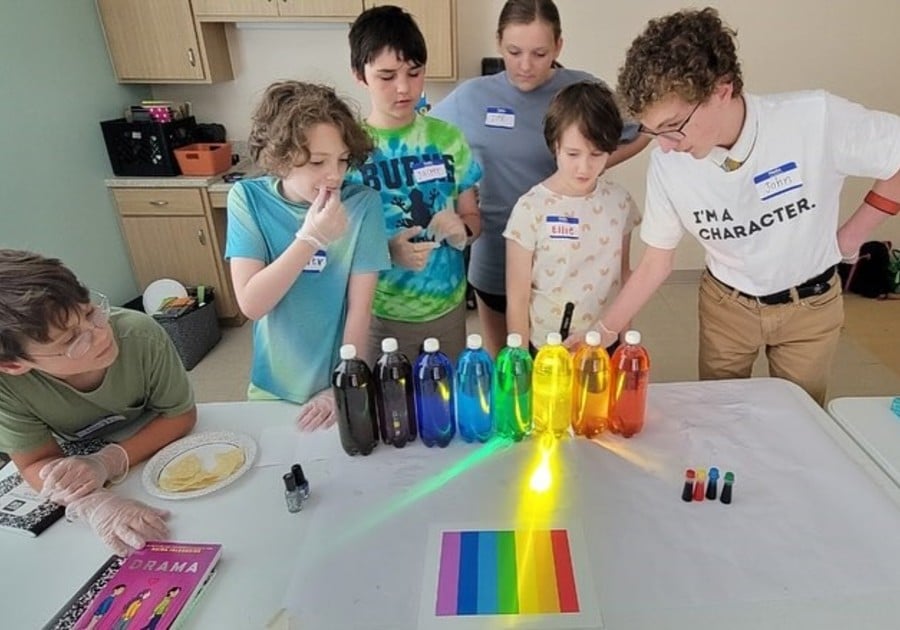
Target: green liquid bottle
column 552, row 381
column 511, row 395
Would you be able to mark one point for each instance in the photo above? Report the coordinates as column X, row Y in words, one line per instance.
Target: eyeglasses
column 79, row 346
column 673, row 135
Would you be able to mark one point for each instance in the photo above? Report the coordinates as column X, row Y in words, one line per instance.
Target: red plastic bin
column 204, row 158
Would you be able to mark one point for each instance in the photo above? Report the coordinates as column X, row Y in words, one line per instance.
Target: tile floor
column 867, row 362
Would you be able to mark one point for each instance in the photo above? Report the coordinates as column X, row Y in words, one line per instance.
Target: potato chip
column 188, row 473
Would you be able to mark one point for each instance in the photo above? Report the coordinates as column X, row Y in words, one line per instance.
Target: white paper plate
column 205, row 446
column 159, row 290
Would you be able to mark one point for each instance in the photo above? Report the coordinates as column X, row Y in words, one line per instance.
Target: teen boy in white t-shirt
column 756, row 180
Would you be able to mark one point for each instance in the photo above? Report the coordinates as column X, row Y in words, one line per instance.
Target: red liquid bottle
column 631, row 375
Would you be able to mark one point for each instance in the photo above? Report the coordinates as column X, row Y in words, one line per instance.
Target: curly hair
column 288, row 110
column 590, row 105
column 36, row 293
column 687, row 53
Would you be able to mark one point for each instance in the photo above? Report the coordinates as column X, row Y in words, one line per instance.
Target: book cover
column 22, row 510
column 150, row 587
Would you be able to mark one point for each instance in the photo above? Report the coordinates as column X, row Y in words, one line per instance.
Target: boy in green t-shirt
column 71, row 369
column 426, row 175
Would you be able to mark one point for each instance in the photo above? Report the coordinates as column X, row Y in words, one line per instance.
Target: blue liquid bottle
column 552, row 379
column 433, row 377
column 511, row 399
column 394, row 395
column 354, row 395
column 474, row 371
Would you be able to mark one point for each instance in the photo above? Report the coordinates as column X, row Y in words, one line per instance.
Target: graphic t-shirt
column 419, row 170
column 577, row 252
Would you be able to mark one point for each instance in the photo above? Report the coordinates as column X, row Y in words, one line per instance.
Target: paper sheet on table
column 285, row 445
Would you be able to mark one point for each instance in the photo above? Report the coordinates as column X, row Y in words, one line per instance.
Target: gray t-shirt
column 512, row 152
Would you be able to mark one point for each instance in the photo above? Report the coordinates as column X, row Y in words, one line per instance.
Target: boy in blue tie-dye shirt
column 425, row 173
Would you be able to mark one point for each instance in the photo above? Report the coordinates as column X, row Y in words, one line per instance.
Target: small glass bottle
column 301, row 481
column 292, row 495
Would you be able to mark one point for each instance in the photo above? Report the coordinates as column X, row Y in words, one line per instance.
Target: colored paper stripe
column 565, row 577
column 506, row 572
column 448, row 574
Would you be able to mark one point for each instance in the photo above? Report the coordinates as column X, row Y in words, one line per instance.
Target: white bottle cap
column 632, row 337
column 348, row 351
column 431, row 344
column 592, row 338
column 514, row 340
column 473, row 341
column 554, row 339
column 389, row 344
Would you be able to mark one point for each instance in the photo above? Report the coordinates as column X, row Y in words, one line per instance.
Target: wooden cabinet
column 174, row 233
column 437, row 20
column 320, row 10
column 159, row 42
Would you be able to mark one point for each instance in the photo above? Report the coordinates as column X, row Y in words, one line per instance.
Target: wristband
column 882, row 204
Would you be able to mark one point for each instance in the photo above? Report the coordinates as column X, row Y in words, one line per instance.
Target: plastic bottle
column 354, row 395
column 474, row 376
column 590, row 399
column 511, row 397
column 552, row 379
column 433, row 377
column 631, row 375
column 394, row 389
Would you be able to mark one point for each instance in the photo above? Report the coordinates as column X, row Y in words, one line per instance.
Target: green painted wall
column 56, row 85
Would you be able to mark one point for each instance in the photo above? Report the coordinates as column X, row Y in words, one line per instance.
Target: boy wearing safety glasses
column 73, row 369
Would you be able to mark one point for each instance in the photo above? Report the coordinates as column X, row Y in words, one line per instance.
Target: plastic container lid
column 389, row 344
column 554, row 339
column 290, row 484
column 473, row 341
column 431, row 344
column 348, row 351
column 592, row 338
column 514, row 340
column 632, row 337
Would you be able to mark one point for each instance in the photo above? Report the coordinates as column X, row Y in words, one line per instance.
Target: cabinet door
column 437, row 21
column 238, row 8
column 320, row 8
column 174, row 247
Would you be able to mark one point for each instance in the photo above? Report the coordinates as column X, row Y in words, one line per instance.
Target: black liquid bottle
column 394, row 395
column 354, row 395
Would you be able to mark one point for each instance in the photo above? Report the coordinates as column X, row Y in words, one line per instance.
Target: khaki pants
column 450, row 330
column 799, row 337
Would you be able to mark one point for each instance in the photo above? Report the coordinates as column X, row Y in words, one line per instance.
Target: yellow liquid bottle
column 552, row 387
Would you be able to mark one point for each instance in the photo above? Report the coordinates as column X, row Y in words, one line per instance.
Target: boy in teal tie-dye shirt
column 426, row 174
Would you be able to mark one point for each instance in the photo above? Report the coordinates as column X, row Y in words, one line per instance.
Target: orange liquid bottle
column 631, row 375
column 590, row 413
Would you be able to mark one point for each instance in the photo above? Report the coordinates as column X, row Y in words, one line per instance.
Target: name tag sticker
column 317, row 263
column 777, row 181
column 502, row 117
column 428, row 171
column 564, row 228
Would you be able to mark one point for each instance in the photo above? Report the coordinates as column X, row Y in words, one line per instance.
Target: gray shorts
column 450, row 330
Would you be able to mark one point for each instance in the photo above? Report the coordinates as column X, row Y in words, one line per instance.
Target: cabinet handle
column 159, row 203
column 201, row 237
column 191, row 58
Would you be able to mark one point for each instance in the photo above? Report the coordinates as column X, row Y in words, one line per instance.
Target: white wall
column 850, row 48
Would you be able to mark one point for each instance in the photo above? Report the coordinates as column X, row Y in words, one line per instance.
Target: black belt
column 814, row 286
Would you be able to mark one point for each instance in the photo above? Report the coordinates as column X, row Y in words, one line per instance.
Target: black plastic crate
column 146, row 148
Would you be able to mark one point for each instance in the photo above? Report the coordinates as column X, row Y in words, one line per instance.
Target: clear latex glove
column 319, row 412
column 69, row 478
column 409, row 254
column 446, row 225
column 326, row 220
column 125, row 525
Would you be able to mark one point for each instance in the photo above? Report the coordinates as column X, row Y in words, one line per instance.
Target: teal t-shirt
column 419, row 170
column 295, row 345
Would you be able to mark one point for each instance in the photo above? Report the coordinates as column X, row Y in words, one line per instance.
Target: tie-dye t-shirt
column 295, row 345
column 419, row 170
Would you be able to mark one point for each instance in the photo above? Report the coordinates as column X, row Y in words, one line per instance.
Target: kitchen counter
column 214, row 183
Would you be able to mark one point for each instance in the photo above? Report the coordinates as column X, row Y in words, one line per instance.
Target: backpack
column 870, row 276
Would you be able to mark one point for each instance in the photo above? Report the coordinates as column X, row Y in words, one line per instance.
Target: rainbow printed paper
column 517, row 572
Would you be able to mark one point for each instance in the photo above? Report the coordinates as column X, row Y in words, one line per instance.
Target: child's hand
column 446, row 225
column 319, row 412
column 70, row 478
column 408, row 254
column 326, row 220
column 125, row 525
column 573, row 341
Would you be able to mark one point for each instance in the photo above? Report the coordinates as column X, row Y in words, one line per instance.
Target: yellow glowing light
column 541, row 479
